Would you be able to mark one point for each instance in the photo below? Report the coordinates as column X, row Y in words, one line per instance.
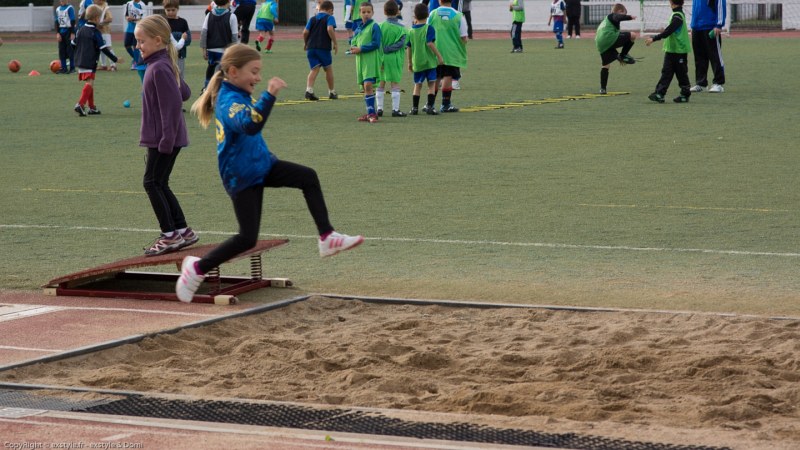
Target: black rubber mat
column 31, row 399
column 354, row 421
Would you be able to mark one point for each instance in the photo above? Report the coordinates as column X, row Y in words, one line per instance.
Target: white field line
column 490, row 243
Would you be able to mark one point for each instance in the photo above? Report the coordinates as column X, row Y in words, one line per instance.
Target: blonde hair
column 236, row 55
column 93, row 13
column 157, row 26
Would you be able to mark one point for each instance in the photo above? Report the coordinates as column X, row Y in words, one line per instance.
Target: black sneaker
column 380, row 113
column 414, row 111
column 559, row 46
column 333, row 96
column 398, row 113
column 430, row 110
column 449, row 109
column 311, row 96
column 79, row 109
column 603, row 91
column 656, row 97
column 681, row 99
column 93, row 111
column 626, row 59
column 258, row 46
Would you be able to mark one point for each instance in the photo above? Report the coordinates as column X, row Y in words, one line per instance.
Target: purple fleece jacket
column 163, row 125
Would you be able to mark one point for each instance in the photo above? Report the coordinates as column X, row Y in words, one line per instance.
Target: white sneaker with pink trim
column 336, row 243
column 189, row 281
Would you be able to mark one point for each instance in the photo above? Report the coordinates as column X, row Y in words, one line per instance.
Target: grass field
column 604, row 201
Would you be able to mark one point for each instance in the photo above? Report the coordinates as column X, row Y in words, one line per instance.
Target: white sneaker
column 456, row 85
column 189, row 281
column 716, row 88
column 696, row 88
column 336, row 243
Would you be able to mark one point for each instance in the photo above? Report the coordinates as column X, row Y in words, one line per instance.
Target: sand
column 660, row 377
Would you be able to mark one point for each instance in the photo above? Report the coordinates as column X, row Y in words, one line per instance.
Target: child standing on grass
column 247, row 166
column 517, row 8
column 163, row 131
column 220, row 30
column 393, row 43
column 89, row 43
column 676, row 52
column 423, row 59
column 180, row 31
column 65, row 24
column 557, row 9
column 104, row 25
column 451, row 40
column 319, row 37
column 134, row 11
column 265, row 22
column 352, row 18
column 609, row 38
column 366, row 45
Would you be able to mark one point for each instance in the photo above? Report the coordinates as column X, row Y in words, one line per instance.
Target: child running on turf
column 163, row 131
column 319, row 37
column 89, row 43
column 247, row 166
column 557, row 11
column 366, row 45
column 393, row 42
column 220, row 30
column 265, row 22
column 676, row 52
column 65, row 25
column 423, row 59
column 609, row 38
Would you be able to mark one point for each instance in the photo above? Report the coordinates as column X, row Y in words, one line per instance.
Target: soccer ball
column 55, row 65
column 14, row 66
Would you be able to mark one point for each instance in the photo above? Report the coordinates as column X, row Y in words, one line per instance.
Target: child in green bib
column 676, row 51
column 393, row 43
column 366, row 45
column 609, row 38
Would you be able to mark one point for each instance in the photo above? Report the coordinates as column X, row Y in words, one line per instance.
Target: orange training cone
column 33, row 73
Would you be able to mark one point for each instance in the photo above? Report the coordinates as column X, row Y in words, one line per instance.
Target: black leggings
column 158, row 168
column 247, row 207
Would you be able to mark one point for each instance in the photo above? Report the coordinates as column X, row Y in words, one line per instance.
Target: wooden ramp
column 108, row 280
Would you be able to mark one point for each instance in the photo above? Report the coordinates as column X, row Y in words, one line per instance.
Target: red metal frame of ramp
column 221, row 290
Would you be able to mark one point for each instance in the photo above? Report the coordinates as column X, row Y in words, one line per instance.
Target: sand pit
column 661, row 377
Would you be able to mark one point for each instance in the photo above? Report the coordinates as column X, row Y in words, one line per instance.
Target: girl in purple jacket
column 163, row 131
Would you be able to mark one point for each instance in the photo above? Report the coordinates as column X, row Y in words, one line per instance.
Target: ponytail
column 203, row 107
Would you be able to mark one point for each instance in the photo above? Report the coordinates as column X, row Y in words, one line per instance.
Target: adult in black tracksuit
column 573, row 12
column 244, row 13
column 708, row 19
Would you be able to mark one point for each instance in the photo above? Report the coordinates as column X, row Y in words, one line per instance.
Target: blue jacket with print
column 243, row 156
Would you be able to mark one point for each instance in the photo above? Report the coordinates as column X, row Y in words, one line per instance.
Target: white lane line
column 22, row 311
column 442, row 241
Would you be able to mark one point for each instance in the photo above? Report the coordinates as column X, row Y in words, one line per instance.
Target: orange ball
column 14, row 66
column 55, row 65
